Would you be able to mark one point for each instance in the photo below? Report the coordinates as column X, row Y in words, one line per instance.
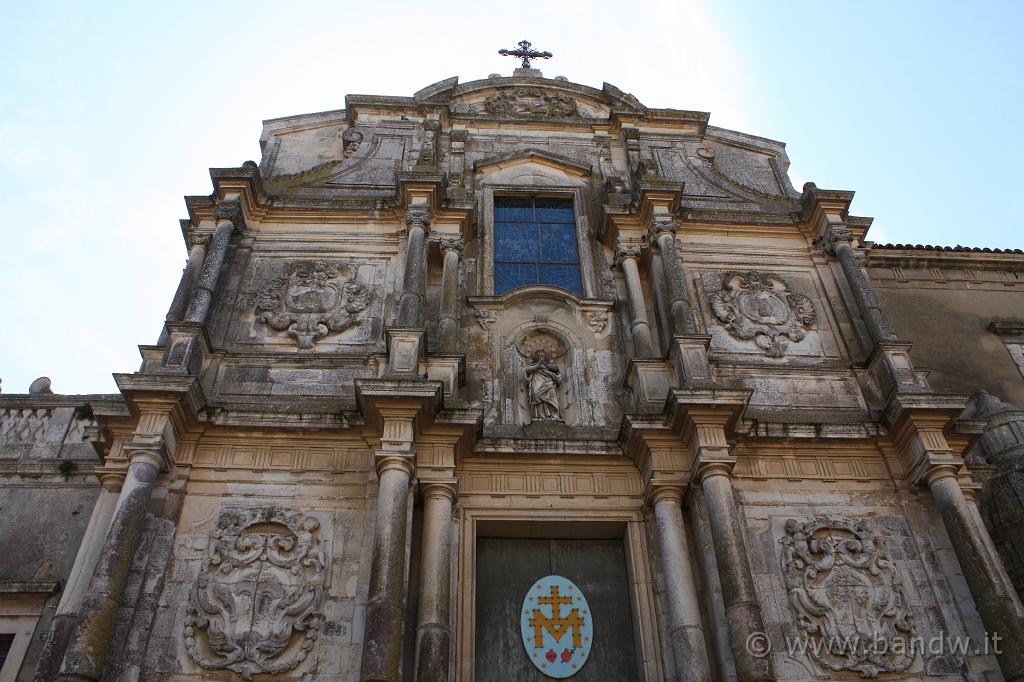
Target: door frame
column 624, row 524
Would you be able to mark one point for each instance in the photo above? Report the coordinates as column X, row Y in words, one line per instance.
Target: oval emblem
column 557, row 627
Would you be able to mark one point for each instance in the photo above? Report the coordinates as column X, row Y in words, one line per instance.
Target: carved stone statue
column 542, row 382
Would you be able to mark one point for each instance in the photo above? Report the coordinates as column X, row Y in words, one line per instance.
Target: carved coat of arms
column 760, row 306
column 848, row 597
column 256, row 605
column 313, row 300
column 530, row 102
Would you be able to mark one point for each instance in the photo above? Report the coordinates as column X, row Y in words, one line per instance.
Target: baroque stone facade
column 433, row 350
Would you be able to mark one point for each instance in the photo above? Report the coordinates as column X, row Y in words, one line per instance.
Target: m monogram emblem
column 557, row 627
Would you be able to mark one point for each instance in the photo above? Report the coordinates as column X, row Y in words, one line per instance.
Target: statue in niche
column 542, row 382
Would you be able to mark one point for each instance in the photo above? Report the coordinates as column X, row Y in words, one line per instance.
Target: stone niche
column 547, row 360
column 313, row 304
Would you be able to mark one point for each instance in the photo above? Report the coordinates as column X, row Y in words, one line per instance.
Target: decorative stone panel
column 255, row 607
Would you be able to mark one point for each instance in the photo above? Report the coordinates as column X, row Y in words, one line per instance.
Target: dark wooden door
column 505, row 571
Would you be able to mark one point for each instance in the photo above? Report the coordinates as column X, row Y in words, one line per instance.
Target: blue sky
column 110, row 113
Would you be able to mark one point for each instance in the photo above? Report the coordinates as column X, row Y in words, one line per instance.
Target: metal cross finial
column 525, row 53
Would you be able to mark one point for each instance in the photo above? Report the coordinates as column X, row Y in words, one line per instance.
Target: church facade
column 520, row 379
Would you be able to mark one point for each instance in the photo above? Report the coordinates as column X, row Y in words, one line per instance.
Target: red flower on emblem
column 550, row 655
column 566, row 655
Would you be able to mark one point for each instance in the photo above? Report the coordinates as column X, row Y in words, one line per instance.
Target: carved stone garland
column 313, row 300
column 256, row 604
column 848, row 597
column 760, row 306
column 530, row 102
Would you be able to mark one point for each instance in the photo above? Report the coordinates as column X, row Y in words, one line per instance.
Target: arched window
column 535, row 243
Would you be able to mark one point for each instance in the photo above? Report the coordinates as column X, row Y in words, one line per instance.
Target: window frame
column 485, row 284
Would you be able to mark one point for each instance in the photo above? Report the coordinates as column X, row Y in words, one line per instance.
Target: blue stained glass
column 565, row 276
column 516, row 242
column 513, row 210
column 558, row 244
column 535, row 243
column 554, row 211
column 508, row 276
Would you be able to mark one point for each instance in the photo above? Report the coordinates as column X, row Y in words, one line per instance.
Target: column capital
column 389, row 461
column 664, row 492
column 111, row 481
column 707, row 469
column 662, row 224
column 418, row 217
column 443, row 488
column 153, row 453
column 834, row 236
column 450, row 244
column 230, row 211
column 200, row 240
column 626, row 251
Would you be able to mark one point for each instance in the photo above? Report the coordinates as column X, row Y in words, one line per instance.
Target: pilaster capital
column 388, row 461
column 440, row 488
column 418, row 217
column 626, row 251
column 230, row 211
column 452, row 244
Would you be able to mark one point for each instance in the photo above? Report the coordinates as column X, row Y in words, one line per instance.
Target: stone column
column 410, row 306
column 196, row 256
column 78, row 581
column 684, row 628
column 448, row 328
column 87, row 651
column 663, row 230
column 433, row 628
column 994, row 596
column 840, row 243
column 228, row 216
column 742, row 610
column 661, row 304
column 382, row 639
column 626, row 257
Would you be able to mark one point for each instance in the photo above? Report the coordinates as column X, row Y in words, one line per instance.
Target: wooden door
column 507, row 568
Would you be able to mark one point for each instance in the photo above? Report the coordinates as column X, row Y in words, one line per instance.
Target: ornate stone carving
column 350, row 142
column 530, row 102
column 485, row 318
column 418, row 217
column 597, row 320
column 231, row 211
column 662, row 223
column 760, row 306
column 451, row 244
column 256, row 604
column 848, row 596
column 314, row 299
column 624, row 252
column 202, row 240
